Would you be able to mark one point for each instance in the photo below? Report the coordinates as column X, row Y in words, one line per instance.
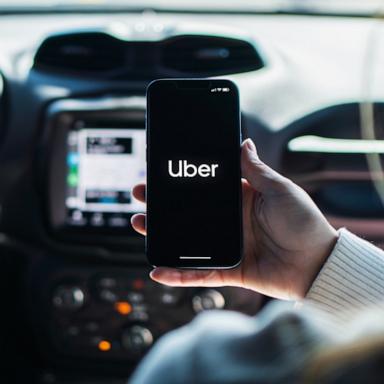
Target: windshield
column 358, row 7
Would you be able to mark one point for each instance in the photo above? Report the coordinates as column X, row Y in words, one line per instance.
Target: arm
column 228, row 347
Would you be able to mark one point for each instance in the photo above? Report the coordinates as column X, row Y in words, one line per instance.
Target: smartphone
column 194, row 211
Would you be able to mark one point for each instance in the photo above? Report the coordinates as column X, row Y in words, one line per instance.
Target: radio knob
column 68, row 298
column 137, row 339
column 208, row 299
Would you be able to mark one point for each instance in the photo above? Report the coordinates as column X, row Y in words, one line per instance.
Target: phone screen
column 193, row 174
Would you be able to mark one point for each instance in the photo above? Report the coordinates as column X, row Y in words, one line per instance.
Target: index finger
column 197, row 278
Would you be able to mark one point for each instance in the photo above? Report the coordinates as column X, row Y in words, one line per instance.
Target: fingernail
column 153, row 274
column 249, row 144
column 157, row 272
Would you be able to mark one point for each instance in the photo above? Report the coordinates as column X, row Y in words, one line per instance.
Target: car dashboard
column 72, row 144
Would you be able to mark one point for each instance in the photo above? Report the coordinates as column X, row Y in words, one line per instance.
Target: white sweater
column 342, row 306
column 352, row 277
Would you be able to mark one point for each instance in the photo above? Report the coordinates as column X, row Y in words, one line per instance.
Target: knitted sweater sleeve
column 351, row 278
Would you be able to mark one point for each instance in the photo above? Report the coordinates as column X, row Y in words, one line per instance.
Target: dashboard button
column 138, row 284
column 97, row 219
column 170, row 295
column 77, row 218
column 139, row 315
column 135, row 297
column 108, row 296
column 118, row 221
column 91, row 326
column 73, row 330
column 107, row 282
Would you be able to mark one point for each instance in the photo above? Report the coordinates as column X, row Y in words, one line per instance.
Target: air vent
column 335, row 173
column 328, row 158
column 91, row 52
column 209, row 56
column 99, row 54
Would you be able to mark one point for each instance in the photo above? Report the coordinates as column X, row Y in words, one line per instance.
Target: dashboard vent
column 209, row 55
column 81, row 52
column 328, row 158
column 96, row 53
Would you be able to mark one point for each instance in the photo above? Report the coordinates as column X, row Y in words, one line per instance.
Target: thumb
column 261, row 177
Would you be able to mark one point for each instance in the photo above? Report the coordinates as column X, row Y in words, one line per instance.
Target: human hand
column 286, row 237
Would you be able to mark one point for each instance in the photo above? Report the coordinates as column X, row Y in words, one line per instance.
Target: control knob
column 208, row 299
column 137, row 339
column 68, row 298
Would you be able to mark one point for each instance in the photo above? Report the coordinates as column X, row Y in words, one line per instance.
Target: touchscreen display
column 102, row 167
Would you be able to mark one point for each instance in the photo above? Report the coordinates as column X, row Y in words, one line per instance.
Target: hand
column 286, row 237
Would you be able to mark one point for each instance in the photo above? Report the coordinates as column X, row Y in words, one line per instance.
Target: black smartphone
column 194, row 214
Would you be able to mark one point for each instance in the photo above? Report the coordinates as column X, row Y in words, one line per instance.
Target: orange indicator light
column 104, row 345
column 123, row 307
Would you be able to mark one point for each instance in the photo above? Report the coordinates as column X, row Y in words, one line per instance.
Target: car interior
column 78, row 305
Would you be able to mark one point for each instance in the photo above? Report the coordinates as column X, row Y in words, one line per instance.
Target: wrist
column 316, row 259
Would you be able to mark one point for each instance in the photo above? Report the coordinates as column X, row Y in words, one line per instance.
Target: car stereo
column 103, row 164
column 96, row 157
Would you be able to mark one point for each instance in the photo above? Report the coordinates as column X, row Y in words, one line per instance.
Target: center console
column 115, row 314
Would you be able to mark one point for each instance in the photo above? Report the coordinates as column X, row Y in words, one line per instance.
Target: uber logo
column 183, row 169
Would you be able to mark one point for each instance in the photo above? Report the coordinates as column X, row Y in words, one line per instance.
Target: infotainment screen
column 103, row 164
